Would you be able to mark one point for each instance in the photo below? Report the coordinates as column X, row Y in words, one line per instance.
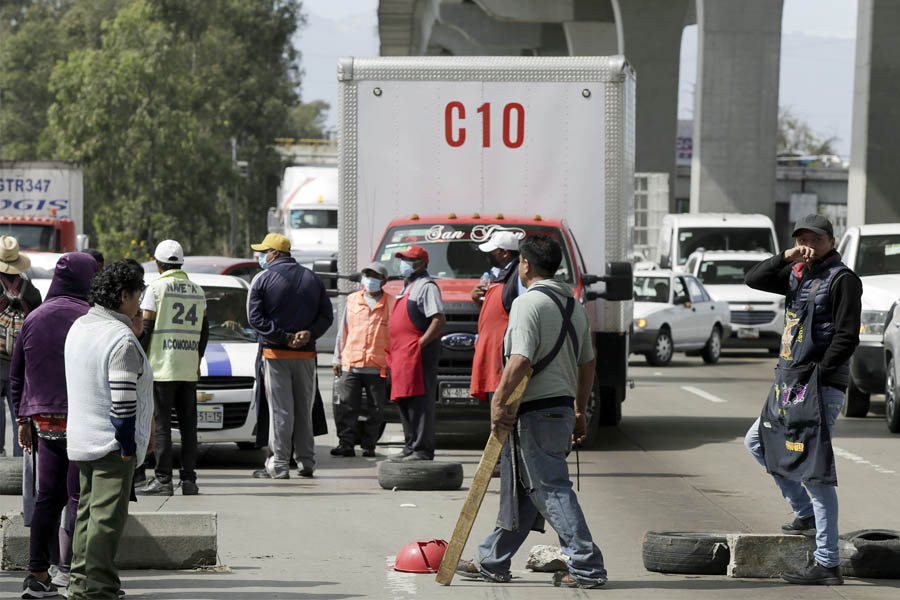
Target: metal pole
column 232, row 241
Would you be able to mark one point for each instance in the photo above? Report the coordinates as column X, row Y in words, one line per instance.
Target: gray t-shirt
column 534, row 326
column 426, row 296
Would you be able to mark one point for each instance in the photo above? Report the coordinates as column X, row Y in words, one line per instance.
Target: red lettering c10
column 448, row 124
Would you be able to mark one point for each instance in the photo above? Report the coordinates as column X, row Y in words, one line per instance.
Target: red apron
column 487, row 364
column 404, row 355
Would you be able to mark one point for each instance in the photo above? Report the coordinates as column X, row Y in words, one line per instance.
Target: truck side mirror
column 327, row 271
column 82, row 242
column 619, row 283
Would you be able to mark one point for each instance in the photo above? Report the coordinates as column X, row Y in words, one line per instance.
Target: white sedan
column 673, row 312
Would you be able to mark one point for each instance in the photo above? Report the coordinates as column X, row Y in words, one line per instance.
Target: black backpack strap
column 567, row 328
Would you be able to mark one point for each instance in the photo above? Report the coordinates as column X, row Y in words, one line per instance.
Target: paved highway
column 677, row 462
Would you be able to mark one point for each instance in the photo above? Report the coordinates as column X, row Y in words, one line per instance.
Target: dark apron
column 793, row 428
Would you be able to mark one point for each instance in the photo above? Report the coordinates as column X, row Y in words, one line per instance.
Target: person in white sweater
column 110, row 387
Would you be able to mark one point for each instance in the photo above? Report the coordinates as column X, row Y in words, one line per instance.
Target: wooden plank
column 479, row 486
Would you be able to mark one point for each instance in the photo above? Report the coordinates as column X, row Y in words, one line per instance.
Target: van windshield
column 718, row 238
column 31, row 237
column 724, row 272
column 453, row 248
column 878, row 255
column 319, row 218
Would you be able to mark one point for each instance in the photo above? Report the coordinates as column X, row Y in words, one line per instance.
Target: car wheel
column 246, row 445
column 891, row 398
column 713, row 349
column 661, row 354
column 856, row 402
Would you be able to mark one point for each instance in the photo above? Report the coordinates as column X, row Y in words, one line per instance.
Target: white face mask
column 406, row 268
column 371, row 284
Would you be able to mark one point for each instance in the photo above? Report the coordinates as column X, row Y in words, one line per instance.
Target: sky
column 817, row 57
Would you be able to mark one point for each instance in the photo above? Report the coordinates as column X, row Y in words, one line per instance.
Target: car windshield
column 226, row 309
column 319, row 218
column 30, row 237
column 752, row 239
column 724, row 272
column 878, row 255
column 453, row 248
column 651, row 289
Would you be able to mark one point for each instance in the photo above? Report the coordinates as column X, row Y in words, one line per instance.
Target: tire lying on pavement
column 420, row 475
column 686, row 552
column 877, row 554
column 11, row 476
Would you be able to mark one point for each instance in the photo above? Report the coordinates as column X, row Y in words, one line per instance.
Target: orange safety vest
column 367, row 337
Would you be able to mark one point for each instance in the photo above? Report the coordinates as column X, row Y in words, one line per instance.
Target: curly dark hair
column 108, row 285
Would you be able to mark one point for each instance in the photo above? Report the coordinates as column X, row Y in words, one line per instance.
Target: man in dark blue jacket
column 289, row 309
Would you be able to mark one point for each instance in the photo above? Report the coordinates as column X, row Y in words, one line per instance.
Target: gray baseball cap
column 815, row 223
column 376, row 267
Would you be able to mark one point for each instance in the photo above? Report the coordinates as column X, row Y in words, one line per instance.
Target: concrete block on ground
column 547, row 559
column 768, row 555
column 151, row 540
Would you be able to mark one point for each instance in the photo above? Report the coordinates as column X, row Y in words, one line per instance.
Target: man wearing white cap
column 495, row 300
column 175, row 334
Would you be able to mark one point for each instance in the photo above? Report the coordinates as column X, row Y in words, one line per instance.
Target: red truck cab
column 40, row 234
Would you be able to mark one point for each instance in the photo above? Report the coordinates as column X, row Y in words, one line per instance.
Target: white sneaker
column 60, row 579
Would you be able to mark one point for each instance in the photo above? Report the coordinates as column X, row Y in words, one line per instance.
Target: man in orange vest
column 360, row 361
column 495, row 299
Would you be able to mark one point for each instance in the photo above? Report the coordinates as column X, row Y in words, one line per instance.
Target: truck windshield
column 38, row 238
column 453, row 248
column 304, row 218
column 878, row 255
column 724, row 272
column 651, row 289
column 226, row 309
column 756, row 239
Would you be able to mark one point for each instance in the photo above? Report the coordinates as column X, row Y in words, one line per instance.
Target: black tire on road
column 11, row 476
column 713, row 348
column 662, row 351
column 892, row 399
column 878, row 554
column 856, row 401
column 686, row 552
column 420, row 475
column 246, row 445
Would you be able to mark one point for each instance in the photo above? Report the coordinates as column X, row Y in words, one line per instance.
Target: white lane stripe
column 703, row 394
column 860, row 460
column 399, row 583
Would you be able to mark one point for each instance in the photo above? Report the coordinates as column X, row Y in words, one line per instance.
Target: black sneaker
column 32, row 588
column 467, row 569
column 305, row 473
column 260, row 474
column 369, row 452
column 815, row 574
column 155, row 487
column 565, row 579
column 800, row 526
column 140, row 477
column 343, row 450
column 189, row 488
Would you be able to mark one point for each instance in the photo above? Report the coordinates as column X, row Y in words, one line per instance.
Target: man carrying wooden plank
column 548, row 334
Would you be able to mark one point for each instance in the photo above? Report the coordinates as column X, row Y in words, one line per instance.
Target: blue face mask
column 262, row 261
column 371, row 284
column 406, row 268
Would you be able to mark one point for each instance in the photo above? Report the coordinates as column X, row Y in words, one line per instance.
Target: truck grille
column 225, row 383
column 752, row 317
column 235, row 415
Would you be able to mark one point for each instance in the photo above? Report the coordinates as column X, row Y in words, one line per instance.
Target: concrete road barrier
column 762, row 555
column 151, row 540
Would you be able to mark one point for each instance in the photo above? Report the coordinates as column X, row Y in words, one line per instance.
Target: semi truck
column 444, row 151
column 41, row 205
column 307, row 212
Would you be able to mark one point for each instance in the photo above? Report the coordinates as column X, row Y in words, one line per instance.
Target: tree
column 796, row 137
column 307, row 120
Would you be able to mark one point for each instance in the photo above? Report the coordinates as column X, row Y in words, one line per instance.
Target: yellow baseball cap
column 273, row 241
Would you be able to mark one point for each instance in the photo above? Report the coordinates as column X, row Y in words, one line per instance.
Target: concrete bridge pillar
column 874, row 185
column 736, row 110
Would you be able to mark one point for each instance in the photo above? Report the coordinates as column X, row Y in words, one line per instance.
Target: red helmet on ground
column 421, row 557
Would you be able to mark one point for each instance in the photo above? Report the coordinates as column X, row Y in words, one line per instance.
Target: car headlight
column 640, row 323
column 872, row 322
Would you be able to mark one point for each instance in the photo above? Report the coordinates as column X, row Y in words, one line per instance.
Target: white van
column 683, row 234
column 309, row 211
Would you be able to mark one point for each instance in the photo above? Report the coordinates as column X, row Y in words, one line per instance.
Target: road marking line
column 399, row 582
column 703, row 394
column 860, row 460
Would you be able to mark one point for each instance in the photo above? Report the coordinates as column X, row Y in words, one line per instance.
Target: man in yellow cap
column 289, row 309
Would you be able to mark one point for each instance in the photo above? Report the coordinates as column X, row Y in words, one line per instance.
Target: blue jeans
column 545, row 438
column 821, row 501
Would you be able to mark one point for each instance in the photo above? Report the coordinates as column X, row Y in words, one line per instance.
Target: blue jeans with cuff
column 545, row 438
column 815, row 499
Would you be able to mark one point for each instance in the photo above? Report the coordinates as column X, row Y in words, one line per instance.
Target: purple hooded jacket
column 37, row 382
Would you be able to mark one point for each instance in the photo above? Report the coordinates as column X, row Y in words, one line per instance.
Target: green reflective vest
column 174, row 347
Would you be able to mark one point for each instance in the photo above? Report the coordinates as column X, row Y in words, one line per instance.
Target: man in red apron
column 417, row 322
column 495, row 300
column 792, row 436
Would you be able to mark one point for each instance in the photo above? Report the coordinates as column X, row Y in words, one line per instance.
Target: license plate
column 748, row 333
column 210, row 416
column 456, row 395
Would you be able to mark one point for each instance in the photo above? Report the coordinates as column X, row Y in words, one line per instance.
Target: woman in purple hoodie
column 38, row 394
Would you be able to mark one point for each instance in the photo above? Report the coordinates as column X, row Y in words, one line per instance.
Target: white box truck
column 442, row 151
column 307, row 212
